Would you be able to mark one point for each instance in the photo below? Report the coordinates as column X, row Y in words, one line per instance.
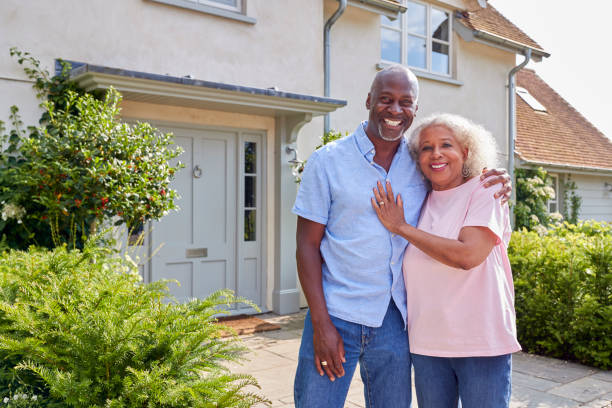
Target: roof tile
column 561, row 135
column 492, row 21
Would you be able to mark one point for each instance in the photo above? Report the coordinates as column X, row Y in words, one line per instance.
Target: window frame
column 554, row 183
column 212, row 7
column 429, row 40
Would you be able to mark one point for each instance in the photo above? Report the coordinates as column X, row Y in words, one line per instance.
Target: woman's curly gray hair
column 479, row 141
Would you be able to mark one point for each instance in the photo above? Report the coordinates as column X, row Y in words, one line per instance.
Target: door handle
column 197, row 172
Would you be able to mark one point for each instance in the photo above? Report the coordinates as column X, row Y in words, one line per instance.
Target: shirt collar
column 365, row 145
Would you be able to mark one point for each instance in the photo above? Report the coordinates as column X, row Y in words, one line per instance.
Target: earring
column 465, row 172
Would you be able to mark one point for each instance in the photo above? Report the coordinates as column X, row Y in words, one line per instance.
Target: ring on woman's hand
column 381, row 203
column 323, row 363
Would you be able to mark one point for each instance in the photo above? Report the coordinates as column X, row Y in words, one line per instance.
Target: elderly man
column 349, row 265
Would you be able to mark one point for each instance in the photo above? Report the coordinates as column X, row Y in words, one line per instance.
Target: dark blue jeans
column 478, row 381
column 384, row 358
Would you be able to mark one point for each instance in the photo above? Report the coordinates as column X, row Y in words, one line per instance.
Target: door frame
column 264, row 262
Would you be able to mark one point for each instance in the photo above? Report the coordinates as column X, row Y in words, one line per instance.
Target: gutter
column 522, row 163
column 326, row 56
column 512, row 110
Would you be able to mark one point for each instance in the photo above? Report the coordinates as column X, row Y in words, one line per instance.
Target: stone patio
column 538, row 382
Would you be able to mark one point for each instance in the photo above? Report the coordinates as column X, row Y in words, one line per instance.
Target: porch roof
column 195, row 93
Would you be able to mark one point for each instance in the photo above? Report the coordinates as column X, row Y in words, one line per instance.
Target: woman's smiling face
column 441, row 157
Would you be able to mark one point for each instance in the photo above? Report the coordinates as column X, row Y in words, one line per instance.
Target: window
column 553, row 203
column 250, row 191
column 233, row 9
column 530, row 99
column 420, row 38
column 234, row 5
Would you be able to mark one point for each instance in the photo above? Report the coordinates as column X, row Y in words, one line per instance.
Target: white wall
column 596, row 198
column 283, row 49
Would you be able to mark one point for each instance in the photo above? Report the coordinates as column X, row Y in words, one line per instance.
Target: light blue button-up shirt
column 362, row 266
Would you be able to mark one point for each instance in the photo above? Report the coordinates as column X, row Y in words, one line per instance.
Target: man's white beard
column 388, row 139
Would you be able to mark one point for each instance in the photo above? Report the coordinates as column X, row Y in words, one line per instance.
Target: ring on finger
column 323, row 363
column 381, row 203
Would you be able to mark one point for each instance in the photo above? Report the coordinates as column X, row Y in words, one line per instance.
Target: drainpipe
column 328, row 26
column 512, row 111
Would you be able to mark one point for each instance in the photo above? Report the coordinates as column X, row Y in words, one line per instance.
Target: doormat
column 245, row 324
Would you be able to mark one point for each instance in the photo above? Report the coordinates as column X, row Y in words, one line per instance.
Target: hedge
column 563, row 286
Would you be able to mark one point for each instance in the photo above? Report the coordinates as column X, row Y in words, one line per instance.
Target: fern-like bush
column 79, row 329
column 563, row 286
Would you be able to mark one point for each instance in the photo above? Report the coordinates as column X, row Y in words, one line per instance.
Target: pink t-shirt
column 453, row 312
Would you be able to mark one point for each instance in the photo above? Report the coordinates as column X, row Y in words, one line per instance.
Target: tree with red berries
column 82, row 168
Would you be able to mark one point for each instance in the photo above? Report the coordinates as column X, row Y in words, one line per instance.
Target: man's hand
column 498, row 176
column 329, row 350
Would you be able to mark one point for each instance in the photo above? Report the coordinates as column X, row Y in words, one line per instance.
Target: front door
column 214, row 240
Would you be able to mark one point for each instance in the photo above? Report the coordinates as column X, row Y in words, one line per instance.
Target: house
column 553, row 135
column 241, row 84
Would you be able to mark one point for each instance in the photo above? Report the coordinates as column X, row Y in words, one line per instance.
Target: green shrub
column 563, row 285
column 81, row 168
column 79, row 329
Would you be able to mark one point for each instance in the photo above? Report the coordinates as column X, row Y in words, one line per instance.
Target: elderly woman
column 461, row 319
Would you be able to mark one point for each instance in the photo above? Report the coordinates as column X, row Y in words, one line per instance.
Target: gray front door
column 214, row 241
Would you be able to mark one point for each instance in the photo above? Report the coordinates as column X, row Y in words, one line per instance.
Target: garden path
column 538, row 382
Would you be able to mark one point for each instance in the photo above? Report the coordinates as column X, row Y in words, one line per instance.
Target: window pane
column 439, row 24
column 417, row 52
column 232, row 3
column 416, row 18
column 384, row 20
column 249, row 192
column 250, row 158
column 439, row 58
column 249, row 225
column 390, row 45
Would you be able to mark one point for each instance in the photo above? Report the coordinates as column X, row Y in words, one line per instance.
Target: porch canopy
column 290, row 110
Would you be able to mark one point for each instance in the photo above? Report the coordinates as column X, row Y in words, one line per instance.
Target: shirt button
column 372, row 162
column 392, row 263
column 393, row 234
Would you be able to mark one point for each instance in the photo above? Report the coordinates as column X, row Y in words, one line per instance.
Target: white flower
column 34, row 397
column 6, row 400
column 12, row 211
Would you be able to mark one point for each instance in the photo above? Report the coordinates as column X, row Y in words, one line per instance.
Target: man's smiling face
column 392, row 103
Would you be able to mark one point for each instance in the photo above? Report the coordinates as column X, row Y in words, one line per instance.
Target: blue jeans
column 384, row 359
column 478, row 381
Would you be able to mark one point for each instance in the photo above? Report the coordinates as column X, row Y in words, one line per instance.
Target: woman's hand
column 389, row 210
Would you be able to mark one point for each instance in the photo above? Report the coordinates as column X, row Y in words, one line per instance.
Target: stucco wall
column 147, row 36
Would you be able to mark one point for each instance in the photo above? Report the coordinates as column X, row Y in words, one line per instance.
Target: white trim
column 555, row 185
column 522, row 163
column 423, row 74
column 216, row 9
column 168, row 93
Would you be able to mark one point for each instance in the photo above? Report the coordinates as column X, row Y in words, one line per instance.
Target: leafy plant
column 572, row 201
column 80, row 329
column 563, row 285
column 81, row 168
column 532, row 195
column 328, row 137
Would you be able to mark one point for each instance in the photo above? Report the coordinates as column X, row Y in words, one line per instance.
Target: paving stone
column 603, row 402
column 548, row 368
column 603, row 375
column 529, row 381
column 583, row 390
column 523, row 397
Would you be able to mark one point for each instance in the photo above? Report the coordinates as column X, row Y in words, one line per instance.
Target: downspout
column 328, row 26
column 512, row 116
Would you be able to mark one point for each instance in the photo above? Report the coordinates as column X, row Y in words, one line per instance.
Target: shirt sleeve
column 314, row 196
column 487, row 211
